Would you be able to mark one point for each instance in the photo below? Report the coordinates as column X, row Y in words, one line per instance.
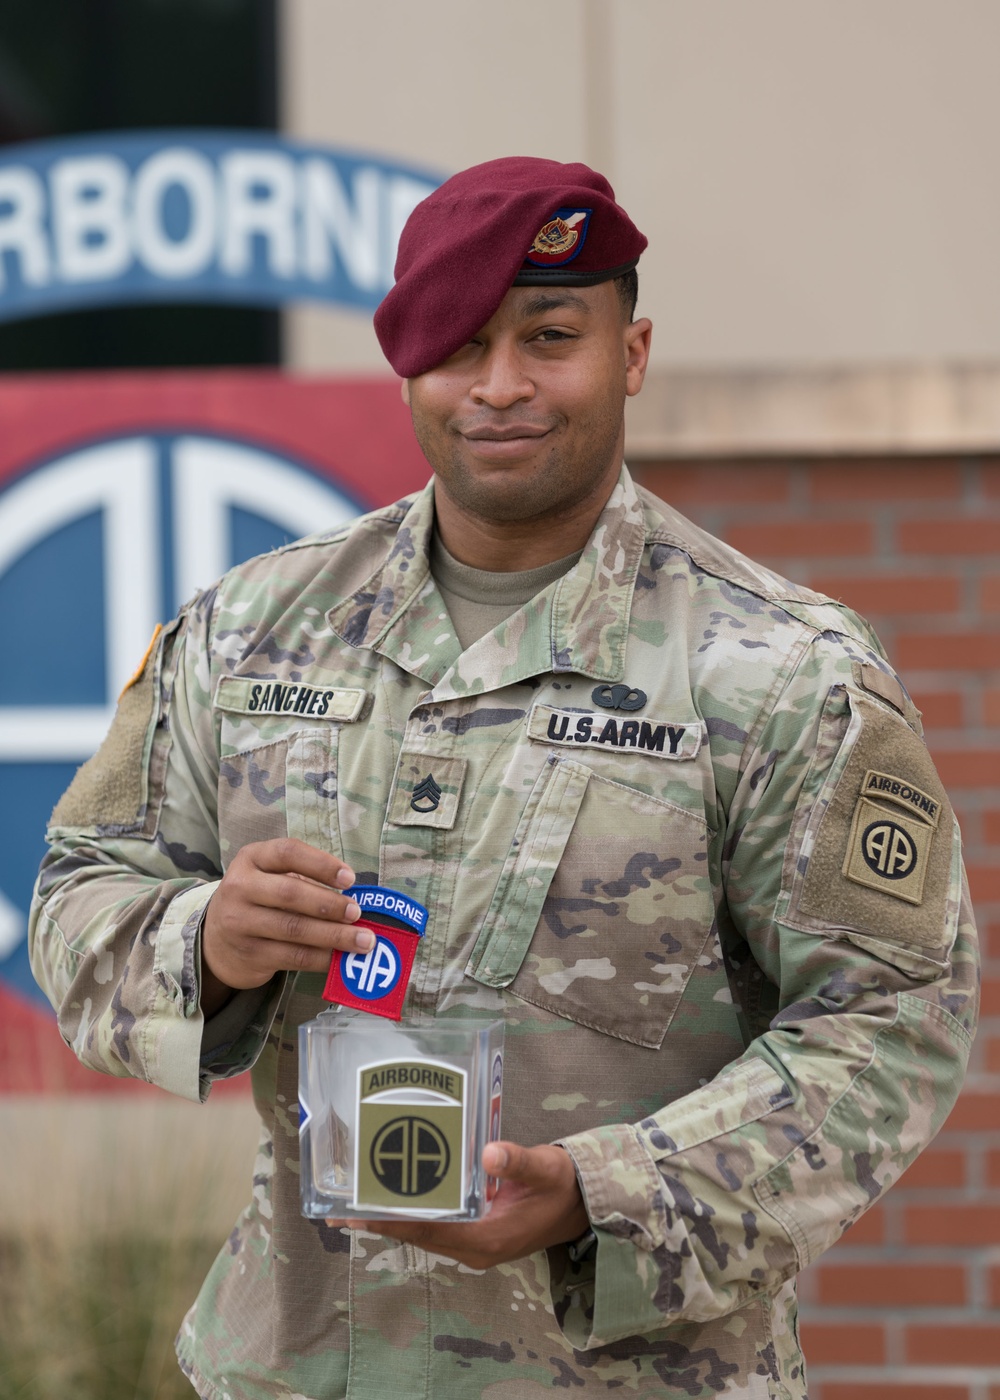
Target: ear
column 638, row 335
column 404, row 392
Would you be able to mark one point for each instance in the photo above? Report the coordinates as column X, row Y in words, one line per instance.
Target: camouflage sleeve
column 115, row 922
column 844, row 891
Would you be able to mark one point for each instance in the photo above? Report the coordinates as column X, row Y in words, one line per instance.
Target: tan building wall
column 818, row 183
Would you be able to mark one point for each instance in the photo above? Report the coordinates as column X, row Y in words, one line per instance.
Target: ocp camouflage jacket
column 726, row 927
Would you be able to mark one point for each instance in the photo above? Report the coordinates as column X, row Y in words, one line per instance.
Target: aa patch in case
column 394, row 1119
column 411, row 1128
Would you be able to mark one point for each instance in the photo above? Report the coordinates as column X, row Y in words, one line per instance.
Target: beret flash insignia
column 560, row 239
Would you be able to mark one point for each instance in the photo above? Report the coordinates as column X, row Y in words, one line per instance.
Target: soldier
column 671, row 814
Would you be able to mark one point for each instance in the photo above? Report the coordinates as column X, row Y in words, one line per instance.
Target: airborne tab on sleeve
column 906, row 795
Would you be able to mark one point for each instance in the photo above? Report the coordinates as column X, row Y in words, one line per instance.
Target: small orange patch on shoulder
column 137, row 673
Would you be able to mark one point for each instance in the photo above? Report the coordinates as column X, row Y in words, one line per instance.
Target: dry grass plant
column 111, row 1210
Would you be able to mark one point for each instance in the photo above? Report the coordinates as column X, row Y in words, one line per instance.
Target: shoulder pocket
column 881, row 845
column 603, row 907
column 284, row 788
column 119, row 791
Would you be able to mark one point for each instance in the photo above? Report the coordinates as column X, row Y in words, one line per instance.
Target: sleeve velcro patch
column 881, row 859
column 110, row 789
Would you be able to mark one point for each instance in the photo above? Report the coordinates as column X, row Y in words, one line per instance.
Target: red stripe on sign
column 355, row 431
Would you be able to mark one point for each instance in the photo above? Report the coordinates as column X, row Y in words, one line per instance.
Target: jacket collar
column 580, row 623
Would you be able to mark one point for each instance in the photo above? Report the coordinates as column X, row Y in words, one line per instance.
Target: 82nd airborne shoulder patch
column 888, row 850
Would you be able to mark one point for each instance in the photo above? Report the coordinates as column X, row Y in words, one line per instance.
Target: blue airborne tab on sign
column 197, row 216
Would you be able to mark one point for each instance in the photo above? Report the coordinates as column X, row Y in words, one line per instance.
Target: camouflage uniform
column 727, row 928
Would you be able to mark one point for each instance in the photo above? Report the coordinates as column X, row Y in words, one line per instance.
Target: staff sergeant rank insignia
column 426, row 795
column 888, row 851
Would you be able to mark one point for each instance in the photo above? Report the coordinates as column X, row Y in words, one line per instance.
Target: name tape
column 241, row 695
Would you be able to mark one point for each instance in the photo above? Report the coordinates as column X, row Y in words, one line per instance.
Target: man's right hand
column 279, row 907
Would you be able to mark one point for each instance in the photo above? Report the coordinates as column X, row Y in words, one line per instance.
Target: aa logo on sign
column 97, row 545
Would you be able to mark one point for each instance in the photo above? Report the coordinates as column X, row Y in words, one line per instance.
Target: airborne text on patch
column 658, row 738
column 410, row 1076
column 904, row 794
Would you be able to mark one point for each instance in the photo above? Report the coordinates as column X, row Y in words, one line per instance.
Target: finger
column 269, row 941
column 321, row 935
column 267, row 956
column 288, row 855
column 289, row 957
column 292, row 894
column 511, row 1162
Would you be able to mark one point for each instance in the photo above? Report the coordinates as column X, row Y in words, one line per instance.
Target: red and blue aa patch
column 375, row 981
column 560, row 239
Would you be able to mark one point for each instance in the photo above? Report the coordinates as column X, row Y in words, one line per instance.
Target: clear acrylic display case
column 394, row 1118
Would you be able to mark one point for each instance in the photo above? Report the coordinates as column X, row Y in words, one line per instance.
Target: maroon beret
column 511, row 222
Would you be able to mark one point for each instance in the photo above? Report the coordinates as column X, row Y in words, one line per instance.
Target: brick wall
column 908, row 1304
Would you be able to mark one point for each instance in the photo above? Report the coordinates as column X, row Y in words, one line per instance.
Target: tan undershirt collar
column 479, row 599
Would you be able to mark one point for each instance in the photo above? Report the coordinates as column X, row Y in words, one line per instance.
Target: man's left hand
column 538, row 1204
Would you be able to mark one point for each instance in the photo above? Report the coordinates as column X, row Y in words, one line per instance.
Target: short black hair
column 627, row 287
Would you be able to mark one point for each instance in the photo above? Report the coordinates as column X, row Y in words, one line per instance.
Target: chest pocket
column 278, row 767
column 603, row 907
column 284, row 788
